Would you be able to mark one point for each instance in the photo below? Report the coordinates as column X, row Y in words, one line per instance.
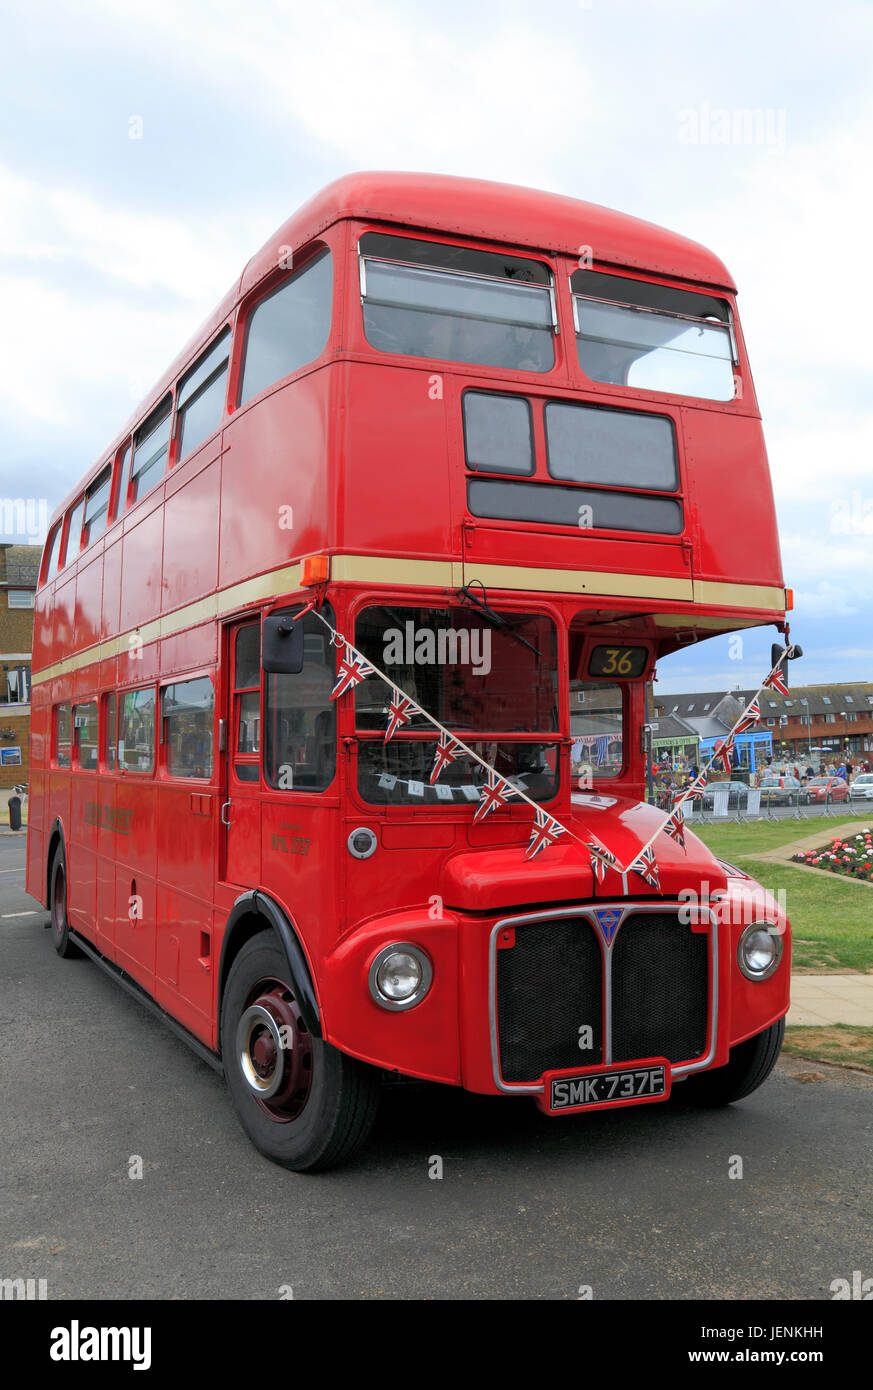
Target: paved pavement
column 818, row 1000
column 639, row 1203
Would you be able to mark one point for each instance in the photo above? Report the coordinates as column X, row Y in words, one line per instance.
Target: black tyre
column 301, row 1102
column 751, row 1062
column 60, row 926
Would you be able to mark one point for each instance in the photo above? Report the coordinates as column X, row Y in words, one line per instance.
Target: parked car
column 862, row 787
column 737, row 795
column 825, row 789
column 780, row 791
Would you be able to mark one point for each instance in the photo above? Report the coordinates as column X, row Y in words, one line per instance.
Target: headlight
column 400, row 976
column 760, row 950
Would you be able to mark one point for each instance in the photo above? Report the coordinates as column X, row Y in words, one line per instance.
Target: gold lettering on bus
column 115, row 818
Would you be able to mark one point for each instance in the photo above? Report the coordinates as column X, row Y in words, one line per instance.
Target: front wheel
column 302, row 1103
column 751, row 1062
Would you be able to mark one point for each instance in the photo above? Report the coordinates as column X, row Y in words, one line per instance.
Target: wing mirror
column 282, row 646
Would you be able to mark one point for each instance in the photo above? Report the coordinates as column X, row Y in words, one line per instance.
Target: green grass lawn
column 839, row 1043
column 757, row 837
column 831, row 919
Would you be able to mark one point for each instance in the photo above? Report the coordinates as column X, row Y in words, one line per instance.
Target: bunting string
column 353, row 667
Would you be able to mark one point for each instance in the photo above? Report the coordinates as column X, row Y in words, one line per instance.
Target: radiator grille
column 551, row 983
column 660, row 972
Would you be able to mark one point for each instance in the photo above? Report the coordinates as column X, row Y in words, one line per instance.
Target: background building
column 812, row 722
column 19, row 567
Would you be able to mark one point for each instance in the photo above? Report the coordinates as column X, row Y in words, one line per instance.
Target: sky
column 148, row 149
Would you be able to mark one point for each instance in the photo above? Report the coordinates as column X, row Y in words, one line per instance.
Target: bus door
column 241, row 798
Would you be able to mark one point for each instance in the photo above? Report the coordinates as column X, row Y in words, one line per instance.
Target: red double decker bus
column 340, row 659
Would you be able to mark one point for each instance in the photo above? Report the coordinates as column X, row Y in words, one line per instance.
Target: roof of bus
column 500, row 212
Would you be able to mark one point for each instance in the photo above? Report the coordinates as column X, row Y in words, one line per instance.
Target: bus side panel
column 183, row 960
column 84, row 813
column 105, row 918
column 135, row 899
column 299, row 870
column 186, row 843
column 275, row 458
column 63, row 609
column 109, row 830
column 42, row 630
column 111, row 592
column 396, row 495
column 737, row 539
column 141, row 573
column 190, row 568
column 89, row 590
column 184, row 651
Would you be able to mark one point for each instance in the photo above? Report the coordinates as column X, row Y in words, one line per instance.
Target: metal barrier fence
column 762, row 805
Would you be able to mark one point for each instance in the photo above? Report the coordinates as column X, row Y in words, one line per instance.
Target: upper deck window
column 74, row 531
column 200, row 402
column 51, row 568
column 97, row 505
column 653, row 337
column 427, row 299
column 498, row 433
column 622, row 448
column 151, row 447
column 289, row 328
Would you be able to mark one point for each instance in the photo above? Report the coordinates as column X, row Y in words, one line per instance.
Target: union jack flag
column 601, row 858
column 674, row 826
column 446, row 752
column 544, row 833
column 722, row 753
column 351, row 670
column 400, row 711
column 493, row 796
column 695, row 788
column 750, row 715
column 646, row 865
column 776, row 681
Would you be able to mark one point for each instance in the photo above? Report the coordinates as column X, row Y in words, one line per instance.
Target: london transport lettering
column 108, row 817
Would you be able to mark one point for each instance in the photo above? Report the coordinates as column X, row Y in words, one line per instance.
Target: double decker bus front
column 535, row 509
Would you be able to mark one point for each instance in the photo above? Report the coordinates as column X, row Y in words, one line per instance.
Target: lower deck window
column 188, row 709
column 597, row 730
column 136, row 731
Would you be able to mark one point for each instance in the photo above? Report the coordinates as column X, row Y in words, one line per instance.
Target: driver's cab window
column 596, row 728
column 246, row 745
column 300, row 716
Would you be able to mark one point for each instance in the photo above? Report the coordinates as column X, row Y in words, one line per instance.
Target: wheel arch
column 56, row 837
column 252, row 912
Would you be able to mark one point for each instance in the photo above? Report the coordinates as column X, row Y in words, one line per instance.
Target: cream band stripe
column 376, row 569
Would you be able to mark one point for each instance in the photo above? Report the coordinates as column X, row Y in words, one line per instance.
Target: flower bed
column 851, row 856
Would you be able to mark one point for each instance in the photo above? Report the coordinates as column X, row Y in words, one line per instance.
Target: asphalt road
column 634, row 1204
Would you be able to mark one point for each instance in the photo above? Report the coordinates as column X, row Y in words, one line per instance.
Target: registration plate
column 625, row 1084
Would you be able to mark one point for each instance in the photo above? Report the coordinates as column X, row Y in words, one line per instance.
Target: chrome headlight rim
column 396, row 948
column 776, row 935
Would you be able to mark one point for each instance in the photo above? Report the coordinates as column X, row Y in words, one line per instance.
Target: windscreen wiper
column 495, row 619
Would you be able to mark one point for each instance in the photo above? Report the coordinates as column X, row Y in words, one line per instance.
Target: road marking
column 5, row 915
